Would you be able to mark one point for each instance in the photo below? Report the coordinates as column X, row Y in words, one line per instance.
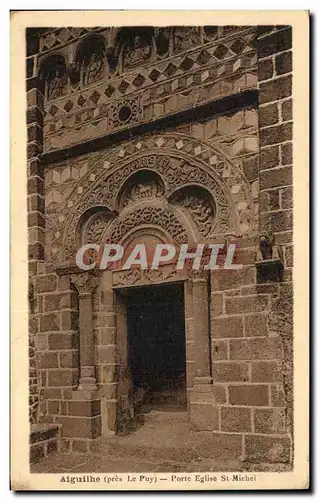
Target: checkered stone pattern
column 206, row 73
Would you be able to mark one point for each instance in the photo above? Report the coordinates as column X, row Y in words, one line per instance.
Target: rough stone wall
column 251, row 324
column 247, row 361
column 276, row 189
column 35, row 210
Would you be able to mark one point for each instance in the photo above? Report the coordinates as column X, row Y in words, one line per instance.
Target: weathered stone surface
column 270, row 200
column 256, row 325
column 219, row 350
column 286, row 110
column 283, row 63
column 268, row 115
column 249, row 395
column 50, row 322
column 204, row 417
column 269, row 157
column 265, row 69
column 230, row 372
column 229, row 326
column 267, row 449
column 46, row 283
column 275, row 134
column 48, row 359
column 276, row 89
column 241, row 305
column 281, row 220
column 236, row 419
column 62, row 341
column 266, row 371
column 263, row 348
column 286, row 154
column 269, row 421
column 80, row 427
column 275, row 42
column 69, row 359
column 63, row 378
column 84, row 408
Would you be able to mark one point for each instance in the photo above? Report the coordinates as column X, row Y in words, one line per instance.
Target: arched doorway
column 154, row 198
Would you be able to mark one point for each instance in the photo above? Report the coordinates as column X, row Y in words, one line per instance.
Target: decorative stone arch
column 90, row 59
column 53, row 71
column 180, row 161
column 182, row 165
column 134, row 45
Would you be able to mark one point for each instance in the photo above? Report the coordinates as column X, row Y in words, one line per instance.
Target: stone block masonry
column 247, row 360
column 231, row 159
column 275, row 63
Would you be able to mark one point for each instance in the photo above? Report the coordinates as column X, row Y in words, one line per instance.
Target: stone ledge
column 44, row 439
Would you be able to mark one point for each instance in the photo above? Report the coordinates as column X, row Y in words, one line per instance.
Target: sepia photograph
column 161, row 236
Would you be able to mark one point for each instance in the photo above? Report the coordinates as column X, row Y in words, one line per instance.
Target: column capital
column 85, row 283
column 198, row 275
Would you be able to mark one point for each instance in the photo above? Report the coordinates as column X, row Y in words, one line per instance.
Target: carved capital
column 85, row 283
column 198, row 274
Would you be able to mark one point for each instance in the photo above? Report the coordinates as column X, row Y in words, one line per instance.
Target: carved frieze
column 149, row 215
column 148, row 276
column 177, row 160
column 161, row 85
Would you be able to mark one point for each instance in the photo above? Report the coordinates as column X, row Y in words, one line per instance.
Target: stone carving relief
column 91, row 60
column 93, row 71
column 210, row 212
column 200, row 206
column 143, row 186
column 57, row 84
column 149, row 215
column 136, row 51
column 126, row 111
column 54, row 73
column 143, row 276
column 163, row 41
column 95, row 227
column 85, row 283
column 268, row 249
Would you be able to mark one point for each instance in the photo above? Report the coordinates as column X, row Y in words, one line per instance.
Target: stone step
column 167, row 397
column 174, row 443
column 157, row 416
column 44, row 440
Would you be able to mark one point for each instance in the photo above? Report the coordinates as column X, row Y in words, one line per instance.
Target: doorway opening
column 157, row 347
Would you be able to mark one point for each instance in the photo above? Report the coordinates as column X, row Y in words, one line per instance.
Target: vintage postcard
column 159, row 250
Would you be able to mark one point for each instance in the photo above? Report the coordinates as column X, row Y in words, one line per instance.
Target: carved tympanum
column 142, row 186
column 199, row 204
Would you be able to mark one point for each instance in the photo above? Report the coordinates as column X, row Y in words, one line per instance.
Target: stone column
column 201, row 324
column 85, row 284
column 203, row 409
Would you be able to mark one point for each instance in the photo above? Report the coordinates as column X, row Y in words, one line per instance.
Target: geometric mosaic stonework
column 222, row 67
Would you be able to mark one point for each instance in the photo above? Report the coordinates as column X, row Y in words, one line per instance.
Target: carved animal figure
column 268, row 249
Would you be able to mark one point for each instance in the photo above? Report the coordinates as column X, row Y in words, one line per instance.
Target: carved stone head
column 266, row 243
